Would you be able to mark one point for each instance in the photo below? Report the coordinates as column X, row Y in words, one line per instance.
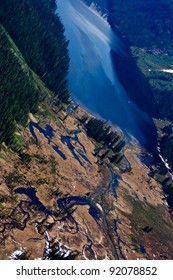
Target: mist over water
column 92, row 78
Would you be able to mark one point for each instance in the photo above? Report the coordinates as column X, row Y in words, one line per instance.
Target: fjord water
column 92, row 78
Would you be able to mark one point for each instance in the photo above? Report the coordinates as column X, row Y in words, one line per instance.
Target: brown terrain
column 131, row 222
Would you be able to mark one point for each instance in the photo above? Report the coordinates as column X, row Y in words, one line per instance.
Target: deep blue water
column 92, row 77
column 67, row 140
column 76, row 138
column 82, row 152
column 58, row 151
column 48, row 133
column 84, row 157
column 64, row 203
column 142, row 249
column 31, row 193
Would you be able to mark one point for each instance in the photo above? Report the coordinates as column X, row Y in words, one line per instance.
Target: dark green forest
column 166, row 143
column 161, row 83
column 100, row 131
column 146, row 26
column 33, row 50
column 135, row 83
column 111, row 141
column 145, row 23
column 39, row 34
column 19, row 94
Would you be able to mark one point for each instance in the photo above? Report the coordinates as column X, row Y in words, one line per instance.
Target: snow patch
column 167, row 70
column 16, row 254
column 165, row 161
column 162, row 70
column 61, row 249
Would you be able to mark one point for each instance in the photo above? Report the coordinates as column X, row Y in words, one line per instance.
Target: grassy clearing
column 147, row 215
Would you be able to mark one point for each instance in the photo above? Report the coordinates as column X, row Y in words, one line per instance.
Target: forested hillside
column 161, row 82
column 32, row 43
column 19, row 93
column 145, row 23
column 147, row 28
column 39, row 34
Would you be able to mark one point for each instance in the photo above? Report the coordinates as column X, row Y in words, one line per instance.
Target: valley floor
column 66, row 201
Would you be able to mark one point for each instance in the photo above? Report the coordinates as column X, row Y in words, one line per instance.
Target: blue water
column 48, row 133
column 76, row 138
column 67, row 140
column 142, row 249
column 84, row 157
column 64, row 203
column 31, row 193
column 75, row 153
column 115, row 185
column 57, row 150
column 92, row 78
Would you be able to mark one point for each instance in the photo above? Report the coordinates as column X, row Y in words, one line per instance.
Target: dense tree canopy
column 145, row 23
column 39, row 34
column 18, row 91
column 147, row 26
column 32, row 43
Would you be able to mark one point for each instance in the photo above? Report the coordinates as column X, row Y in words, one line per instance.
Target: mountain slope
column 70, row 186
column 38, row 33
column 151, row 27
column 150, row 38
column 19, row 92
